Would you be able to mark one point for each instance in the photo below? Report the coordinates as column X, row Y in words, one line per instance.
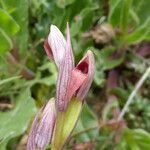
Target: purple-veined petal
column 64, row 75
column 63, row 82
column 42, row 128
column 61, row 51
column 31, row 145
column 57, row 43
column 86, row 66
column 69, row 47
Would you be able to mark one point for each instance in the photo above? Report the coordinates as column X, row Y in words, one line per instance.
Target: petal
column 57, row 44
column 69, row 47
column 48, row 49
column 86, row 66
column 42, row 128
column 46, row 125
column 77, row 79
column 64, row 75
column 63, row 82
column 31, row 138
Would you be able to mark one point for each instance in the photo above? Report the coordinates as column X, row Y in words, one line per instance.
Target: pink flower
column 72, row 81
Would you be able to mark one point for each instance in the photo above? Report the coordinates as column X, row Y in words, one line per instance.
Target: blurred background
column 117, row 31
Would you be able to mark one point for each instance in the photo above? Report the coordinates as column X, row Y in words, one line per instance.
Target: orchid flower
column 73, row 82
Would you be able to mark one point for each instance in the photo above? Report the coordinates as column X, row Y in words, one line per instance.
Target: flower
column 72, row 81
column 42, row 127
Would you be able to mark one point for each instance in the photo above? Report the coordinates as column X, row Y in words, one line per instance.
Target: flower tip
column 90, row 56
column 90, row 53
column 67, row 25
column 53, row 29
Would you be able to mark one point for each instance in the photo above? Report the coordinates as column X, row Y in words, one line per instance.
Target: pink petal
column 64, row 75
column 57, row 44
column 69, row 47
column 31, row 138
column 86, row 66
column 42, row 128
column 77, row 79
column 48, row 49
column 63, row 82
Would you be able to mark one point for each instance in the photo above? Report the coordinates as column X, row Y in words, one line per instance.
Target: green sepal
column 65, row 123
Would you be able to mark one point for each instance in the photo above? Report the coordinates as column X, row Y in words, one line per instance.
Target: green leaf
column 8, row 79
column 83, row 18
column 14, row 123
column 105, row 60
column 5, row 42
column 120, row 92
column 49, row 81
column 142, row 9
column 65, row 123
column 140, row 34
column 20, row 15
column 87, row 125
column 130, row 142
column 137, row 139
column 7, row 23
column 134, row 17
column 113, row 63
column 125, row 14
column 119, row 13
column 63, row 3
column 115, row 12
column 142, row 138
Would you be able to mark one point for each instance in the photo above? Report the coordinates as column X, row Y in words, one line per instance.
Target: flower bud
column 42, row 128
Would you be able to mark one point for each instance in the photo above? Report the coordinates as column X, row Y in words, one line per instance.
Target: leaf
column 125, row 14
column 142, row 138
column 15, row 122
column 64, row 3
column 87, row 125
column 119, row 13
column 82, row 21
column 8, row 79
column 134, row 17
column 105, row 60
column 65, row 123
column 20, row 14
column 130, row 142
column 142, row 9
column 140, row 34
column 137, row 139
column 49, row 81
column 7, row 23
column 115, row 12
column 5, row 42
column 121, row 93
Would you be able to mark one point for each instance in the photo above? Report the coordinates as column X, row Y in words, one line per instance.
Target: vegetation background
column 117, row 31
